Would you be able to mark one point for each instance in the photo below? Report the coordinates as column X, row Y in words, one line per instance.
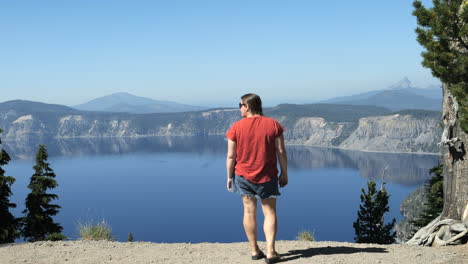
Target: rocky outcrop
column 86, row 125
column 393, row 133
column 25, row 127
column 315, row 131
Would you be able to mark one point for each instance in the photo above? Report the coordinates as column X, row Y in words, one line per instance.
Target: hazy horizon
column 206, row 52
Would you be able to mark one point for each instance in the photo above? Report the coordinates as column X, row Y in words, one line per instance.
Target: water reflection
column 401, row 168
column 75, row 147
column 404, row 169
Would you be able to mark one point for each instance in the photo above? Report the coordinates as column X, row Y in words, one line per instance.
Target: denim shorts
column 260, row 190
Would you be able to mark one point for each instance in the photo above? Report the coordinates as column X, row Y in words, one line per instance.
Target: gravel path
column 101, row 252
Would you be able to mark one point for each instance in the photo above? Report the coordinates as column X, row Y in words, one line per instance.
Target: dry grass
column 305, row 236
column 95, row 231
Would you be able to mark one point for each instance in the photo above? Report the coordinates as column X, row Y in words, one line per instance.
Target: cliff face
column 396, row 133
column 315, row 131
column 83, row 125
column 23, row 127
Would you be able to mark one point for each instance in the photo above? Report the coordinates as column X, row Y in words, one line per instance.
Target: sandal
column 274, row 259
column 260, row 255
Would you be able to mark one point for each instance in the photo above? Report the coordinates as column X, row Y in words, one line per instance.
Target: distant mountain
column 402, row 84
column 399, row 100
column 24, row 106
column 125, row 102
column 434, row 92
column 330, row 112
column 361, row 96
column 399, row 96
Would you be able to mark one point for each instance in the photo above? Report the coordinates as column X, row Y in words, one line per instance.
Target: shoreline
column 222, row 135
column 369, row 151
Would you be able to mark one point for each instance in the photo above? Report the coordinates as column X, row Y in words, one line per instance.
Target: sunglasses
column 241, row 104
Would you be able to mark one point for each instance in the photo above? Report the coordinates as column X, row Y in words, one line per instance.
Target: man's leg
column 250, row 222
column 270, row 226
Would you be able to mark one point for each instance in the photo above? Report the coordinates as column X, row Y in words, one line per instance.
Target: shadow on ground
column 307, row 253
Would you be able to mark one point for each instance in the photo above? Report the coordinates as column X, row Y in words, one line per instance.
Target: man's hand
column 283, row 180
column 229, row 184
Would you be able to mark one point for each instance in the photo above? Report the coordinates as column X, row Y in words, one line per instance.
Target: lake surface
column 173, row 189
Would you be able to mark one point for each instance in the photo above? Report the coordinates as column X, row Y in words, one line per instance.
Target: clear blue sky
column 205, row 52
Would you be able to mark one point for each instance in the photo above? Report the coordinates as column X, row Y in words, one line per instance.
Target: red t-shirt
column 255, row 147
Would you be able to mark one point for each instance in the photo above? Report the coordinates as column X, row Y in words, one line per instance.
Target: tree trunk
column 455, row 161
column 451, row 227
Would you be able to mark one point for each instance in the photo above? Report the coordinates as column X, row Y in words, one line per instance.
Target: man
column 255, row 143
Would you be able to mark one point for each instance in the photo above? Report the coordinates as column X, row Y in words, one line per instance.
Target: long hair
column 254, row 102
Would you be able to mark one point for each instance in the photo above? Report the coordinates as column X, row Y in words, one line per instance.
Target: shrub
column 91, row 231
column 130, row 237
column 305, row 236
column 55, row 237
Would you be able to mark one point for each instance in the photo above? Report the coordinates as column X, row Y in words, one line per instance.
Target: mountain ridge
column 399, row 96
column 126, row 102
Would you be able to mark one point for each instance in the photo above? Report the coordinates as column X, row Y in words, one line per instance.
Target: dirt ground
column 101, row 252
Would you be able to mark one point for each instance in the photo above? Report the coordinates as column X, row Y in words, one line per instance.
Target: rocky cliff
column 396, row 132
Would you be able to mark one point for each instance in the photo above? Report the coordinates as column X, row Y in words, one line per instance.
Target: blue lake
column 173, row 189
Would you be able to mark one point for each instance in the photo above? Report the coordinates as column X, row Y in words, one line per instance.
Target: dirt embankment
column 101, row 252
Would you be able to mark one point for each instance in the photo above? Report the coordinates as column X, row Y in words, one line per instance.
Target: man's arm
column 230, row 162
column 283, row 160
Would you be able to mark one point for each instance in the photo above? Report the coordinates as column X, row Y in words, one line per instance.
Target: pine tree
column 435, row 198
column 38, row 222
column 443, row 31
column 370, row 226
column 9, row 225
column 130, row 237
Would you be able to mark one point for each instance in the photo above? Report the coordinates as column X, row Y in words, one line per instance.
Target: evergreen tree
column 38, row 222
column 370, row 226
column 443, row 31
column 130, row 237
column 435, row 198
column 9, row 225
